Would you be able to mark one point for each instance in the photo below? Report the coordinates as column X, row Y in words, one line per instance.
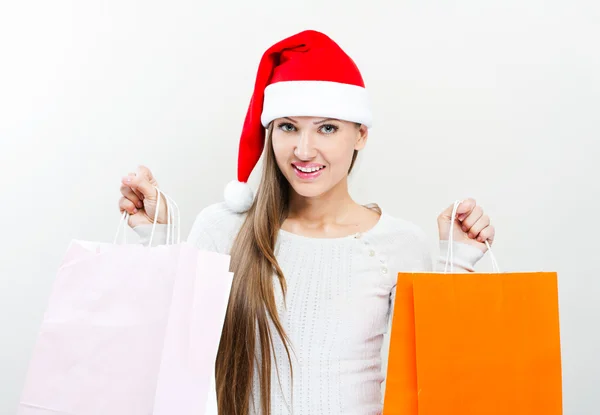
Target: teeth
column 308, row 169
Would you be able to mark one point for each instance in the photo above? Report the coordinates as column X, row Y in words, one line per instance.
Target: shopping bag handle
column 173, row 220
column 450, row 252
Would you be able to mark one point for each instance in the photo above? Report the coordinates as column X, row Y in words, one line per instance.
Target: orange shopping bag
column 474, row 344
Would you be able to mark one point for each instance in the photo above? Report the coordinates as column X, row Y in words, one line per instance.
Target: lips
column 308, row 171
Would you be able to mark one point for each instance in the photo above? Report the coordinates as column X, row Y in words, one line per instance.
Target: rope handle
column 173, row 221
column 450, row 253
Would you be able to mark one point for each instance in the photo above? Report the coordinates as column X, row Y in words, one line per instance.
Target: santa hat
column 306, row 74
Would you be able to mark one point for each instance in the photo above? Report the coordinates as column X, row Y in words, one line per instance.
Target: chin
column 309, row 189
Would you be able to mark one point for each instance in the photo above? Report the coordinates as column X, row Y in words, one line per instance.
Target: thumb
column 140, row 183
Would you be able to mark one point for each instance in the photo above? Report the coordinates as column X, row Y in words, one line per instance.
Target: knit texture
column 337, row 309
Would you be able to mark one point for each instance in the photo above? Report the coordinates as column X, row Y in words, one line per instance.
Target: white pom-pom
column 238, row 196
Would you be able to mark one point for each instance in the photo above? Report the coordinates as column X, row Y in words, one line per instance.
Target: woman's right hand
column 139, row 198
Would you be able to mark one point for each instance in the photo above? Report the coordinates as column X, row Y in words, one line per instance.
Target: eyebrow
column 316, row 122
column 325, row 120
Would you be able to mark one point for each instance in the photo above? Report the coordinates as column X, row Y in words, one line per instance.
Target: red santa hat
column 306, row 74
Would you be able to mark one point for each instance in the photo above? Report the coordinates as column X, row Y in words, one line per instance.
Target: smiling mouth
column 308, row 170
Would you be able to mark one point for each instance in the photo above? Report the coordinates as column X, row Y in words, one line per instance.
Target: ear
column 362, row 135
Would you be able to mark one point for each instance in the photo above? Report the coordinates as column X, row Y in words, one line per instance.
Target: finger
column 481, row 223
column 126, row 205
column 465, row 208
column 487, row 234
column 137, row 192
column 129, row 194
column 468, row 222
column 140, row 183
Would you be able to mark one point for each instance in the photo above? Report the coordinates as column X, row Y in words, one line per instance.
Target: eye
column 287, row 127
column 328, row 128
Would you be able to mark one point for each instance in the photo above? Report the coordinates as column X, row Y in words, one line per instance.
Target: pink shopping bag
column 186, row 375
column 115, row 317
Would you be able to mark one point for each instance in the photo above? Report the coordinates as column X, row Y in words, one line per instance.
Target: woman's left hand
column 472, row 226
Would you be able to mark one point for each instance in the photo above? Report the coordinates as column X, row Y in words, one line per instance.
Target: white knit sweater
column 338, row 307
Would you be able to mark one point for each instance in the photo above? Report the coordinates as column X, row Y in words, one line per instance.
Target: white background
column 497, row 100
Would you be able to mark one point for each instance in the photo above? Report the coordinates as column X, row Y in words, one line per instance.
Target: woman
column 315, row 272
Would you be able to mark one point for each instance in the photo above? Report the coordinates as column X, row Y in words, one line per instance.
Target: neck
column 330, row 207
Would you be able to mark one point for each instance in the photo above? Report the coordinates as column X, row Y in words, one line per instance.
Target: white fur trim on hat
column 238, row 196
column 316, row 99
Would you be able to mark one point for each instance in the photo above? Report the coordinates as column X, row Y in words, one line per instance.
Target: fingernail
column 135, row 211
column 464, row 228
column 140, row 205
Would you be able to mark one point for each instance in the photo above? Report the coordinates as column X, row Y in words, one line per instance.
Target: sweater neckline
column 374, row 229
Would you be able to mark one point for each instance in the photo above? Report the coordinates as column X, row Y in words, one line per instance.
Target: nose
column 305, row 148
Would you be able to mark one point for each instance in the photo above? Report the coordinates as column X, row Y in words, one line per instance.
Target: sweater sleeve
column 198, row 236
column 214, row 229
column 465, row 257
column 145, row 233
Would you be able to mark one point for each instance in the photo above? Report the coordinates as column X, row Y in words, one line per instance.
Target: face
column 314, row 154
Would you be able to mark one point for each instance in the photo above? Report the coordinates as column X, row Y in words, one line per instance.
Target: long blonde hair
column 252, row 300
